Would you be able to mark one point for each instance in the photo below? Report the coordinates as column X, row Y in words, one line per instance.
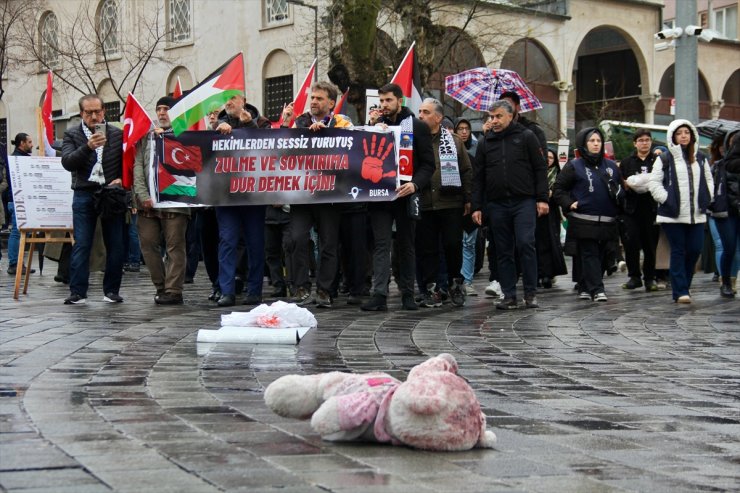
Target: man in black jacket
column 382, row 214
column 638, row 228
column 95, row 160
column 510, row 181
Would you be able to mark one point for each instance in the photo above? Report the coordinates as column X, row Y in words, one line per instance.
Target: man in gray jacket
column 168, row 223
column 92, row 152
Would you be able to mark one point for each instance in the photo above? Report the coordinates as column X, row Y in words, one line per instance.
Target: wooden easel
column 32, row 241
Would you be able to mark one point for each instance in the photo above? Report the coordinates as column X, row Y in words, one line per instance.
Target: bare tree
column 88, row 50
column 12, row 16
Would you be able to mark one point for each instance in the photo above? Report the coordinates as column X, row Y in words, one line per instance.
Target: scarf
column 406, row 149
column 448, row 167
column 96, row 174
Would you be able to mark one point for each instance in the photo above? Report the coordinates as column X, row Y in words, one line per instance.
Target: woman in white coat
column 681, row 182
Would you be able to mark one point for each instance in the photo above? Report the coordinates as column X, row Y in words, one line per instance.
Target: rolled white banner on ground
column 253, row 335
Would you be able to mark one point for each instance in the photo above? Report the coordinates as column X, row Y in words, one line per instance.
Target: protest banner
column 274, row 166
column 41, row 192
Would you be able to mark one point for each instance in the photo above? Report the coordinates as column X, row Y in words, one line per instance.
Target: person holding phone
column 92, row 152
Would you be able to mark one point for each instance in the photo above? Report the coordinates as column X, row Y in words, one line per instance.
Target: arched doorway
column 532, row 62
column 186, row 80
column 608, row 78
column 668, row 91
column 731, row 97
column 277, row 84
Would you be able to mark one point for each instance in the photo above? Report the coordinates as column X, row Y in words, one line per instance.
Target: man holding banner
column 325, row 217
column 92, row 152
column 155, row 224
column 233, row 221
column 403, row 210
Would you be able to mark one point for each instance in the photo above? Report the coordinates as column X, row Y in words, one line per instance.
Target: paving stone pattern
column 636, row 394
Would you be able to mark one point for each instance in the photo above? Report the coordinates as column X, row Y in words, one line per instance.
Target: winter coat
column 684, row 193
column 726, row 183
column 79, row 159
column 509, row 165
column 536, row 130
column 234, row 121
column 423, row 153
column 433, row 198
column 637, row 203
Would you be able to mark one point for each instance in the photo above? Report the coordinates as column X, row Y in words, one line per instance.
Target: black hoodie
column 257, row 120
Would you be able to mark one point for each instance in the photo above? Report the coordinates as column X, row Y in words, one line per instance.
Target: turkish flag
column 136, row 124
column 180, row 159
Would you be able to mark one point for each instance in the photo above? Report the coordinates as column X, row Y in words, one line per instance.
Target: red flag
column 136, row 124
column 186, row 160
column 177, row 92
column 407, row 76
column 300, row 104
column 47, row 133
column 340, row 104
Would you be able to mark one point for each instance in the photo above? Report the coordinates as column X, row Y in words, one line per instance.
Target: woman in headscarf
column 550, row 261
column 681, row 182
column 588, row 189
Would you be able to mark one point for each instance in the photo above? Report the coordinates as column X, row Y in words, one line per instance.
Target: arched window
column 277, row 74
column 178, row 18
column 108, row 27
column 49, row 39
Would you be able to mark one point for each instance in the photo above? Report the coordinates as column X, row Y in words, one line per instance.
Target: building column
column 564, row 87
column 716, row 107
column 649, row 101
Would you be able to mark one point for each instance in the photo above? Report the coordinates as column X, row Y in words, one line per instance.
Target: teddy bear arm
column 345, row 415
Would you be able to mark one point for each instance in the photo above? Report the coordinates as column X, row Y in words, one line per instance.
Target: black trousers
column 445, row 227
column 326, row 219
column 640, row 233
column 278, row 255
column 353, row 251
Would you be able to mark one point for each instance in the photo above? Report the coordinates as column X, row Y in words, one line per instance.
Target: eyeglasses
column 93, row 112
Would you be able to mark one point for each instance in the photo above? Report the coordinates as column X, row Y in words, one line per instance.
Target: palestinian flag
column 178, row 168
column 177, row 93
column 408, row 77
column 219, row 87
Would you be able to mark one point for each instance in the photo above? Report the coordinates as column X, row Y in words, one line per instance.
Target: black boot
column 726, row 289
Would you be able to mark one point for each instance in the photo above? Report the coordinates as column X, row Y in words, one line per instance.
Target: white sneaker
column 584, row 295
column 622, row 266
column 494, row 289
column 470, row 290
column 600, row 297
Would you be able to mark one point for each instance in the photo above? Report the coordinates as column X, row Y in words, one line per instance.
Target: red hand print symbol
column 372, row 165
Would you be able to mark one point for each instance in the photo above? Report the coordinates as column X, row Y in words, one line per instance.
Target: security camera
column 708, row 35
column 693, row 30
column 672, row 33
column 665, row 45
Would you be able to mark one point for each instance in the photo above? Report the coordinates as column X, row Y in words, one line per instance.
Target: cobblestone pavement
column 636, row 394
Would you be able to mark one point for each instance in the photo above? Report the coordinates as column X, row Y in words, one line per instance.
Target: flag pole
column 40, row 130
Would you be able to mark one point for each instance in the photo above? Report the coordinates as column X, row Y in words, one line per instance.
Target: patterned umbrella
column 478, row 88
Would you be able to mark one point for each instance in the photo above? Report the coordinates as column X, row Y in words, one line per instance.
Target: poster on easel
column 42, row 192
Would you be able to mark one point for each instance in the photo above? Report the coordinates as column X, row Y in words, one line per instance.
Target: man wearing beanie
column 169, row 223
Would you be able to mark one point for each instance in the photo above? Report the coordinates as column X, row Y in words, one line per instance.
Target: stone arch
column 186, row 80
column 534, row 63
column 667, row 91
column 111, row 103
column 277, row 83
column 731, row 97
column 610, row 74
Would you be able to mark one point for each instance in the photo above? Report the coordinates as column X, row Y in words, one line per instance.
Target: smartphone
column 100, row 128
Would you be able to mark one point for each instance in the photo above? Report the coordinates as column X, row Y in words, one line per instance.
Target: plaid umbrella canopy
column 478, row 88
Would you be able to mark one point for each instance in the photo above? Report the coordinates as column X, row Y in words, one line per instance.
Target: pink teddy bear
column 434, row 409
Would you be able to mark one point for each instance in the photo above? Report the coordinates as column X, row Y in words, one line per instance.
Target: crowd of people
column 506, row 185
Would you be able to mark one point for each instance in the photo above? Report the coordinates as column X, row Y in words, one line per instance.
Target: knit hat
column 168, row 101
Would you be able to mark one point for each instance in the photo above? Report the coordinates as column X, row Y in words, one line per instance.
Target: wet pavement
column 636, row 394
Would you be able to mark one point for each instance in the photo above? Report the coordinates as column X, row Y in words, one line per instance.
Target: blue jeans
column 14, row 241
column 513, row 224
column 84, row 219
column 729, row 233
column 133, row 249
column 232, row 222
column 686, row 242
column 468, row 255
